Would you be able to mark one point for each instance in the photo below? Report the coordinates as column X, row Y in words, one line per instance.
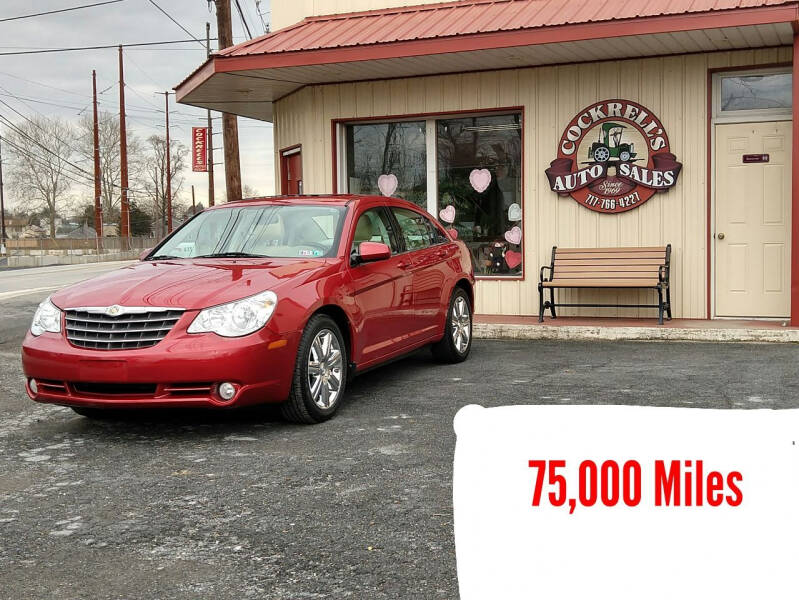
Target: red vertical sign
column 199, row 149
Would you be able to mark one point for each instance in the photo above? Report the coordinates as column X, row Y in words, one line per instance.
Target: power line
column 78, row 48
column 243, row 20
column 60, row 10
column 45, row 85
column 178, row 24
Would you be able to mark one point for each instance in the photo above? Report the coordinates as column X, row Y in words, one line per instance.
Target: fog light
column 34, row 386
column 226, row 390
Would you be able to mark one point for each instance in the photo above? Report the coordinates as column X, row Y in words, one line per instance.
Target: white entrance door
column 753, row 219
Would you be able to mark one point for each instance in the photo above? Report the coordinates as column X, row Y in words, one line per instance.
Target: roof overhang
column 249, row 84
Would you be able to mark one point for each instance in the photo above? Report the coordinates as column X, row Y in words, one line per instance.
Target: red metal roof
column 464, row 17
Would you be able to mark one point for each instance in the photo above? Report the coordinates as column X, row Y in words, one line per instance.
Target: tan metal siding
column 674, row 87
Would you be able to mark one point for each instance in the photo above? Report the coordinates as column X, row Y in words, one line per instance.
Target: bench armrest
column 541, row 274
column 663, row 274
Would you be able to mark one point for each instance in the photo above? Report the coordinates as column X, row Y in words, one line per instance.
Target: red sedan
column 272, row 300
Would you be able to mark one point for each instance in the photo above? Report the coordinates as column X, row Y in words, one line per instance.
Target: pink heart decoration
column 513, row 235
column 447, row 214
column 453, row 233
column 513, row 259
column 387, row 184
column 480, row 179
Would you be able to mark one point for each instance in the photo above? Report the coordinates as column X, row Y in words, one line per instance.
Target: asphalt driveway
column 242, row 505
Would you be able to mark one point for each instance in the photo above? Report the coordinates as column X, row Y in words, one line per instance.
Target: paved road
column 21, row 290
column 241, row 505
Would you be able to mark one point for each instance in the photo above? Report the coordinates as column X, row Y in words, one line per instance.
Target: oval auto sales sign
column 613, row 157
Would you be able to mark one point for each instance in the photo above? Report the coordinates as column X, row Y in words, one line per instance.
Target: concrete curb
column 573, row 332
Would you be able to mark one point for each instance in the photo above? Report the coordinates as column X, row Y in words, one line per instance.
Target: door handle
column 403, row 264
column 720, row 236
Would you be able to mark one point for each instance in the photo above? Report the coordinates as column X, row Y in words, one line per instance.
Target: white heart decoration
column 447, row 214
column 514, row 212
column 513, row 235
column 387, row 184
column 480, row 179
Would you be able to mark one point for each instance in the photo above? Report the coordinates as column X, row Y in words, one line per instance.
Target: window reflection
column 756, row 92
column 483, row 207
column 377, row 149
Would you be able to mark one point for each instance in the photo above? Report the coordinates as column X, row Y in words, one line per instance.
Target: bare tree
column 110, row 168
column 249, row 192
column 155, row 177
column 41, row 174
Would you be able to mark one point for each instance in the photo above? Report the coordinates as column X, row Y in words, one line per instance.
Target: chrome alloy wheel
column 325, row 364
column 461, row 323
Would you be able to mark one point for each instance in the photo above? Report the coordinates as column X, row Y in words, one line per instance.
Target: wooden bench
column 607, row 268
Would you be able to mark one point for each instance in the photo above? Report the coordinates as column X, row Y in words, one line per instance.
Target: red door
column 291, row 172
column 382, row 292
column 429, row 251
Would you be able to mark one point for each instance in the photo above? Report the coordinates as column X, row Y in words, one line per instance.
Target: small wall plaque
column 755, row 158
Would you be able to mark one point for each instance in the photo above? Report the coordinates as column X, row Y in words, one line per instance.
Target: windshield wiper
column 163, row 257
column 232, row 255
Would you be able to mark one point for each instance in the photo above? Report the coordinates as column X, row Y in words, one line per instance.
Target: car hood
column 190, row 284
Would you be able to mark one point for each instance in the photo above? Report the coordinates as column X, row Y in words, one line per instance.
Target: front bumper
column 180, row 370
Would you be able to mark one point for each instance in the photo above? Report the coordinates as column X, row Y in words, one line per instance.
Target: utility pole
column 168, row 169
column 2, row 203
column 193, row 205
column 98, row 205
column 210, row 127
column 230, row 127
column 124, row 225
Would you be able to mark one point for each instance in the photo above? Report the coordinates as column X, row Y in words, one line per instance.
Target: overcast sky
column 147, row 70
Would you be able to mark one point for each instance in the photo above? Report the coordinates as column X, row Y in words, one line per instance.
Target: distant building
column 15, row 226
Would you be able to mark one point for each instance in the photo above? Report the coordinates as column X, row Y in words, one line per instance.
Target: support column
column 795, row 185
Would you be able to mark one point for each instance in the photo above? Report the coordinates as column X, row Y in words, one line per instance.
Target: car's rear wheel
column 454, row 347
column 320, row 373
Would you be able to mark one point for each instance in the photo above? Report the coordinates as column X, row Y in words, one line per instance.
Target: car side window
column 373, row 226
column 436, row 237
column 417, row 230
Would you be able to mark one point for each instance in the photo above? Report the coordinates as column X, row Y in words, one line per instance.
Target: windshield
column 261, row 231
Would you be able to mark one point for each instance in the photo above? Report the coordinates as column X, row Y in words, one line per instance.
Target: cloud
column 59, row 84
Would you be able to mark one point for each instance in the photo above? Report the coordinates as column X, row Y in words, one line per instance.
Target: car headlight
column 46, row 318
column 238, row 318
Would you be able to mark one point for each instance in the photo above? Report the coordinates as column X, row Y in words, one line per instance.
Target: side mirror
column 144, row 253
column 372, row 251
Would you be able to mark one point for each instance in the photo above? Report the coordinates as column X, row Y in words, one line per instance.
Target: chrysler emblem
column 113, row 311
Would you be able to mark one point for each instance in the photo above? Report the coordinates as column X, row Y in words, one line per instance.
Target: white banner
column 633, row 503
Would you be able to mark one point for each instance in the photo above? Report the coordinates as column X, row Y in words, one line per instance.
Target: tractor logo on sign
column 613, row 157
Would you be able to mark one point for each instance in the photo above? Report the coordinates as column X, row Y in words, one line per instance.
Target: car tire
column 451, row 348
column 321, row 362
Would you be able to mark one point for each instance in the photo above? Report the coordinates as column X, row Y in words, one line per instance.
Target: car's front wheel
column 454, row 347
column 320, row 373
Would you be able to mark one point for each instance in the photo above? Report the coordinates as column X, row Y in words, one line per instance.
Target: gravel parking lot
column 242, row 505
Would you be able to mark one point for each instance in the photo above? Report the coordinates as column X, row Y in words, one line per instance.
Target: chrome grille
column 132, row 328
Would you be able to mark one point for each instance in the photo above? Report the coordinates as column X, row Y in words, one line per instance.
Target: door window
column 373, row 226
column 415, row 228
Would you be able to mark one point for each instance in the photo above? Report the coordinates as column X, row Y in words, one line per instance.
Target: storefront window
column 756, row 92
column 479, row 177
column 395, row 151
